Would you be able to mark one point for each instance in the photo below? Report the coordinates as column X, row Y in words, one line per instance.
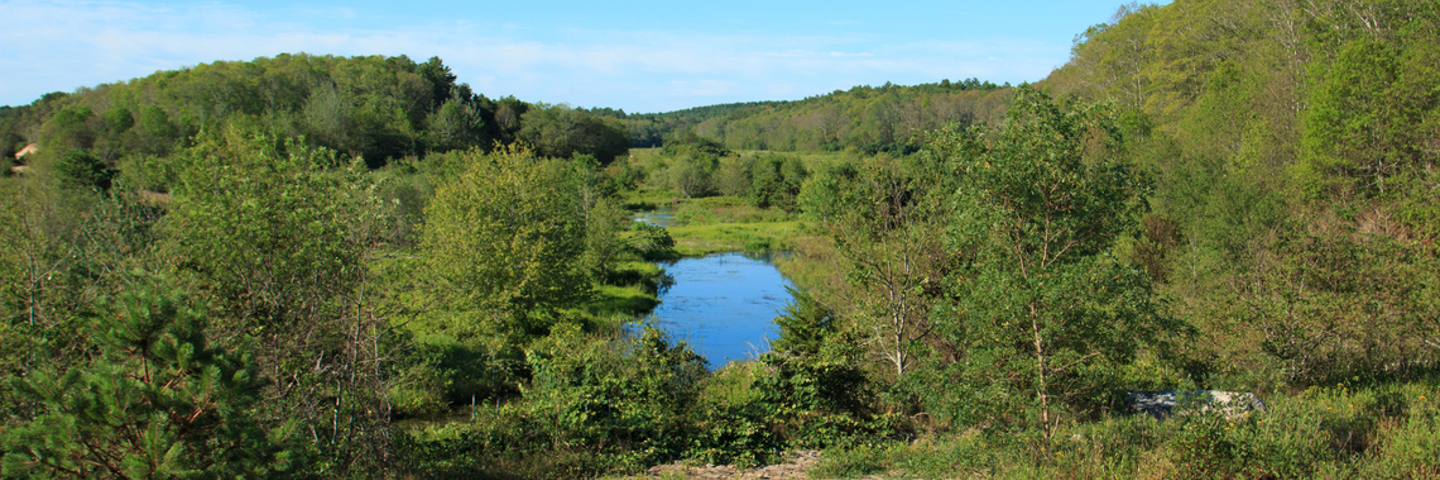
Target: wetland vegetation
column 318, row 266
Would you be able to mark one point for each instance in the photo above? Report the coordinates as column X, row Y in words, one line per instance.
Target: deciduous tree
column 1042, row 312
column 503, row 244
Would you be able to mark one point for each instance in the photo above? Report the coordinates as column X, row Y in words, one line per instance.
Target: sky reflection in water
column 723, row 305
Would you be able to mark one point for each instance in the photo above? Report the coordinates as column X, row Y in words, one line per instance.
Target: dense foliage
column 347, row 267
column 157, row 402
column 888, row 118
column 1294, row 143
column 378, row 108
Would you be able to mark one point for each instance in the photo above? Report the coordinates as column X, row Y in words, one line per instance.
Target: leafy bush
column 589, row 407
column 653, row 242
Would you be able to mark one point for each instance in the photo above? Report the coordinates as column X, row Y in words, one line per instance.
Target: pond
column 661, row 218
column 723, row 305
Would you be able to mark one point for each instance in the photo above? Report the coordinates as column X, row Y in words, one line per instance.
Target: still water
column 661, row 218
column 723, row 305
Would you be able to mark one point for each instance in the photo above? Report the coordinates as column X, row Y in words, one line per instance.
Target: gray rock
column 1164, row 403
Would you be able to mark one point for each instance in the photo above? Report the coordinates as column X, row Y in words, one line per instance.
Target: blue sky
column 639, row 56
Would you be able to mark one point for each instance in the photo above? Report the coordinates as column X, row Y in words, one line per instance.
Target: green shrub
column 82, row 169
column 866, row 459
column 158, row 401
column 593, row 405
column 651, row 241
column 1408, row 447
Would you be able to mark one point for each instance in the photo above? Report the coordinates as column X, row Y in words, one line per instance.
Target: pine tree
column 158, row 402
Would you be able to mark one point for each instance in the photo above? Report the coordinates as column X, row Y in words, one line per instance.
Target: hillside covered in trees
column 350, row 267
column 887, row 118
column 378, row 108
column 1295, row 147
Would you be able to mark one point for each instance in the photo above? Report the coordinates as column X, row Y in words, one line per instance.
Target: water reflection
column 660, row 218
column 723, row 305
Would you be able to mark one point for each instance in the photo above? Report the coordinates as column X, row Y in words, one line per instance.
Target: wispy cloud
column 61, row 45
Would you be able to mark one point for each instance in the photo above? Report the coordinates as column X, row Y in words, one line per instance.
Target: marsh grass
column 627, row 301
column 726, row 209
column 648, row 199
column 733, row 237
column 719, row 224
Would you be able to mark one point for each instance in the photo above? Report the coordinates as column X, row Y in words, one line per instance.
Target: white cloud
column 703, row 88
column 61, row 45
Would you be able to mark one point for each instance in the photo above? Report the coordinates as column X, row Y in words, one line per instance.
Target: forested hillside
column 888, row 118
column 379, row 108
column 351, row 267
column 1295, row 146
column 649, row 130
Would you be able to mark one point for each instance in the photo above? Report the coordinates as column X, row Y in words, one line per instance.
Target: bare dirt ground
column 796, row 465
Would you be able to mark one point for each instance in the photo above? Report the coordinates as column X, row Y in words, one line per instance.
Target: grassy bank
column 719, row 224
column 630, row 294
column 691, row 240
column 1340, row 431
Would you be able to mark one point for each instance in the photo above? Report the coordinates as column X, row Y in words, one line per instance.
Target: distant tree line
column 887, row 118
